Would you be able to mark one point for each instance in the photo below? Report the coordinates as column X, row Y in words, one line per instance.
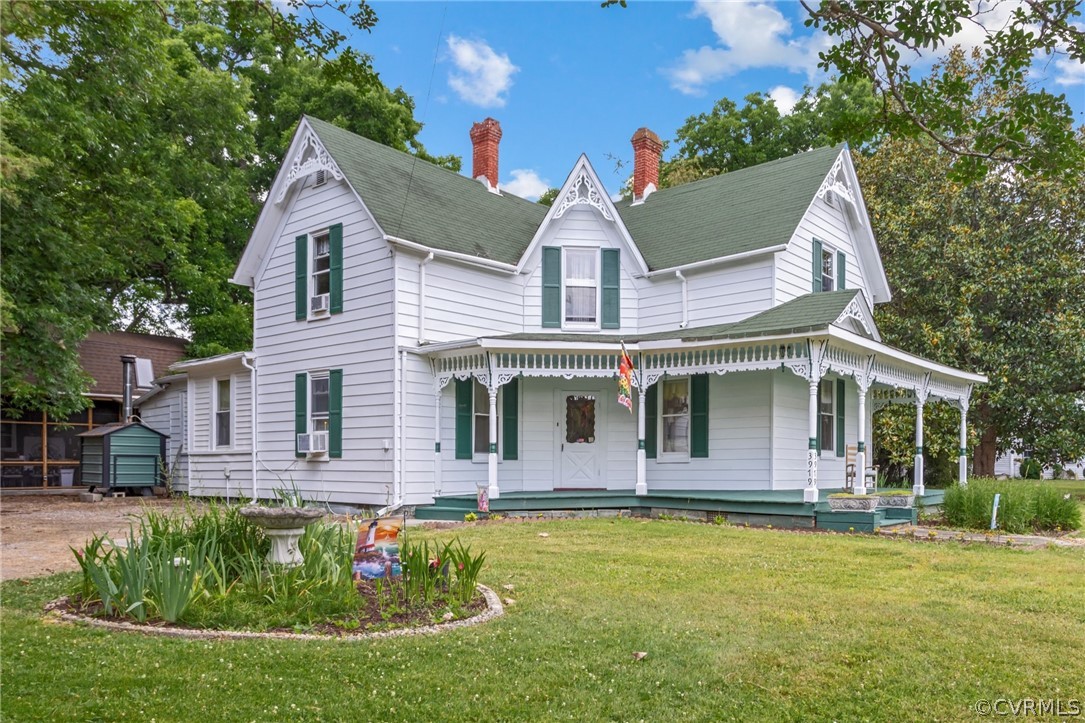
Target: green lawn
column 738, row 624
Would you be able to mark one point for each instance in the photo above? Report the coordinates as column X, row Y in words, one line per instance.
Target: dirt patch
column 35, row 531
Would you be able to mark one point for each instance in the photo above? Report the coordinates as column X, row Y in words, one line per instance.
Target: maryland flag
column 625, row 381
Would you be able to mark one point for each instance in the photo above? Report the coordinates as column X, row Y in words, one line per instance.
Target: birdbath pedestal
column 285, row 526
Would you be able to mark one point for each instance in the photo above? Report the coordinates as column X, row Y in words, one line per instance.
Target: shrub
column 1023, row 506
column 1031, row 469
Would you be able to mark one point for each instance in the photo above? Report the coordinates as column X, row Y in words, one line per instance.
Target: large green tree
column 138, row 142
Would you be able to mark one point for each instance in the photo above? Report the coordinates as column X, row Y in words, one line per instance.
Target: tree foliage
column 139, row 140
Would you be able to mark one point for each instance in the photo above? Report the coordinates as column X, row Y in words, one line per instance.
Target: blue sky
column 567, row 78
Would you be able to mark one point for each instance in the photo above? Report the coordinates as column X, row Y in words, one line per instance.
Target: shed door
column 579, row 429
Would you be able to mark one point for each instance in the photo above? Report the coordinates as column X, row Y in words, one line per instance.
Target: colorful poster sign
column 483, row 498
column 376, row 553
column 625, row 381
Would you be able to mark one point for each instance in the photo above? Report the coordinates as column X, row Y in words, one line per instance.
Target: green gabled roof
column 811, row 312
column 742, row 211
column 738, row 212
column 443, row 210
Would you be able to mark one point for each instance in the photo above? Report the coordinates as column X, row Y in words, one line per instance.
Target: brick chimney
column 647, row 152
column 485, row 137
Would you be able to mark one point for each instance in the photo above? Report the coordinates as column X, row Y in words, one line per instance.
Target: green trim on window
column 612, row 288
column 651, row 421
column 463, row 418
column 301, row 408
column 301, row 277
column 841, row 271
column 839, row 417
column 551, row 287
column 335, row 413
column 335, row 247
column 817, row 266
column 698, row 410
column 510, row 412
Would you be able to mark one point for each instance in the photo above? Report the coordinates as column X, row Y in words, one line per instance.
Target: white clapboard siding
column 739, row 439
column 794, row 266
column 581, row 226
column 165, row 413
column 209, row 478
column 462, row 301
column 418, row 427
column 462, row 476
column 359, row 341
column 718, row 295
column 791, row 430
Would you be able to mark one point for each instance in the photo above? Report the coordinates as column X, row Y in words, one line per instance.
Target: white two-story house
column 419, row 333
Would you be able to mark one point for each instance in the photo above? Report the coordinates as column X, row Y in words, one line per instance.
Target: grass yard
column 738, row 625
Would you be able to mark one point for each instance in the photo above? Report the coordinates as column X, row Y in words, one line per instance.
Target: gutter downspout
column 422, row 297
column 253, row 403
column 685, row 299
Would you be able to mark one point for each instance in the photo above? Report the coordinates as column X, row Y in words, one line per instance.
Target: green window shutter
column 301, row 277
column 698, row 410
column 817, row 266
column 612, row 288
column 841, row 271
column 335, row 413
column 839, row 417
column 463, row 418
column 551, row 287
column 510, row 407
column 301, row 408
column 651, row 415
column 335, row 246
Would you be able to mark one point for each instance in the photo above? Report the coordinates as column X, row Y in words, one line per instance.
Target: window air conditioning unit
column 319, row 304
column 312, row 444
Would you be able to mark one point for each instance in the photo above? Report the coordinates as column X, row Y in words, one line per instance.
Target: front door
column 578, row 441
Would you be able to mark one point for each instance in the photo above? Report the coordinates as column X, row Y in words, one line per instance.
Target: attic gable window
column 322, row 264
column 582, row 287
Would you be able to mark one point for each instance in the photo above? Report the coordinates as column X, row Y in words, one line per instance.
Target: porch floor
column 779, row 508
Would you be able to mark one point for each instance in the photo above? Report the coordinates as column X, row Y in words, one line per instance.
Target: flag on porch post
column 625, row 380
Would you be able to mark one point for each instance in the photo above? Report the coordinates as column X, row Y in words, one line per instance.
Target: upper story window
column 828, row 269
column 322, row 264
column 582, row 287
column 223, row 426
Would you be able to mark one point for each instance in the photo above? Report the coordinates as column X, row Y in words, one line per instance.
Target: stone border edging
column 494, row 609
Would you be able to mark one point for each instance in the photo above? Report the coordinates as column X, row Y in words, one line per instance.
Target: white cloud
column 785, row 98
column 526, row 183
column 482, row 76
column 1069, row 72
column 751, row 35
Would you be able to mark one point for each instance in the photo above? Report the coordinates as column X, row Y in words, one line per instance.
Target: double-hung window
column 222, row 402
column 322, row 264
column 581, row 288
column 826, row 415
column 828, row 269
column 319, row 393
column 481, row 420
column 675, row 417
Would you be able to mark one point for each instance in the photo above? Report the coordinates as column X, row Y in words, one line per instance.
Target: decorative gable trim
column 858, row 311
column 582, row 191
column 583, row 187
column 310, row 157
column 837, row 184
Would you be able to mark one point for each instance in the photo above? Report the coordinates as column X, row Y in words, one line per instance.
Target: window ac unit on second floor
column 313, row 444
column 319, row 304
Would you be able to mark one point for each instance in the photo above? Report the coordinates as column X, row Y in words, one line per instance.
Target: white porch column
column 917, row 483
column 860, row 445
column 810, row 494
column 962, row 460
column 492, row 459
column 436, row 441
column 642, row 464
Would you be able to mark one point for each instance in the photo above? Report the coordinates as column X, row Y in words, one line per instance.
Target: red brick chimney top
column 647, row 152
column 485, row 137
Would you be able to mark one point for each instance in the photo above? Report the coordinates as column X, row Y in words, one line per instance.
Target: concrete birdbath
column 285, row 526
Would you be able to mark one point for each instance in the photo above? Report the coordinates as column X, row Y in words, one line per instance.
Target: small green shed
column 122, row 455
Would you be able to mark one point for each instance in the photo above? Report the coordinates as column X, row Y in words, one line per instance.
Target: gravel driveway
column 35, row 531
